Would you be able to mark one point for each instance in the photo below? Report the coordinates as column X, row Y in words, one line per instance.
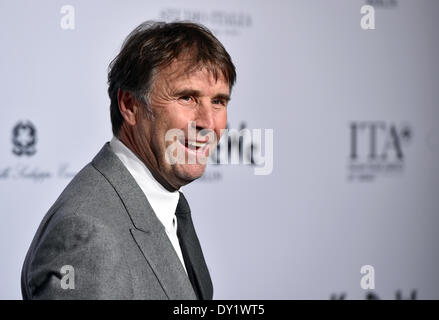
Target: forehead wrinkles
column 185, row 68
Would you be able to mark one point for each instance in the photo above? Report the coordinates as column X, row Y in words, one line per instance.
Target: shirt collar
column 162, row 201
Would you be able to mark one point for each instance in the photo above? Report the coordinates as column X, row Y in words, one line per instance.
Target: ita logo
column 377, row 148
column 24, row 139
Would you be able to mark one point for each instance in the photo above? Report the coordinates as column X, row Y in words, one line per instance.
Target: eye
column 221, row 102
column 187, row 99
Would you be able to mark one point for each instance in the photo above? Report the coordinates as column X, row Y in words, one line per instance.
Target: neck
column 152, row 165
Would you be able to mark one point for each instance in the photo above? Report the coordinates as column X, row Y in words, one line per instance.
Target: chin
column 190, row 172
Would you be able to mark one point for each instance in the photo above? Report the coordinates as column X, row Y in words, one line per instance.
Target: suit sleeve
column 77, row 257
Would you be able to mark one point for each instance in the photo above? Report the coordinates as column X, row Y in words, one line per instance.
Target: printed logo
column 230, row 23
column 24, row 139
column 377, row 148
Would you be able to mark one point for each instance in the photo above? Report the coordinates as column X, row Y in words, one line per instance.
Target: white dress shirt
column 162, row 201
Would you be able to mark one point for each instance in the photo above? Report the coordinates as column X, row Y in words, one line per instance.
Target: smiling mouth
column 194, row 145
column 196, row 148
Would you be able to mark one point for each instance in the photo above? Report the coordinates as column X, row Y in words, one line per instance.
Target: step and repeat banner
column 327, row 186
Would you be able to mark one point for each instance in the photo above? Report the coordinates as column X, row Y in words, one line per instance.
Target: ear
column 128, row 106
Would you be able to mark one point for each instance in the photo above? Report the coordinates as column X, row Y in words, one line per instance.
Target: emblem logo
column 24, row 139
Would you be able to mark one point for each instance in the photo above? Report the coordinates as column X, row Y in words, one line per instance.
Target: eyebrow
column 197, row 93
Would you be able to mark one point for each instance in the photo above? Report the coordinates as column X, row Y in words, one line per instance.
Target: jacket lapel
column 148, row 231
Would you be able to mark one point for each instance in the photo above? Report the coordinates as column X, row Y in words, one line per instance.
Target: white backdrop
column 356, row 138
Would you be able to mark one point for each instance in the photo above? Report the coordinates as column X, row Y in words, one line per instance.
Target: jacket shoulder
column 78, row 230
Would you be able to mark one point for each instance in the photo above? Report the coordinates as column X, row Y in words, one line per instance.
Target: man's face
column 179, row 100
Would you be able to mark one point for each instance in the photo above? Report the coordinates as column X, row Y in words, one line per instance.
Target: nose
column 205, row 117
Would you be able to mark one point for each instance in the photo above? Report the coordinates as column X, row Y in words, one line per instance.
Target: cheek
column 179, row 117
column 220, row 122
column 168, row 120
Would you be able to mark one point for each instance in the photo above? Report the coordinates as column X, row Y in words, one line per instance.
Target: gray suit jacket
column 104, row 227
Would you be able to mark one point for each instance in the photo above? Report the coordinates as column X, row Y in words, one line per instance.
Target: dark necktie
column 191, row 251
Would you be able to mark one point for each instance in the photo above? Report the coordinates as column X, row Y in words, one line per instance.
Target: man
column 122, row 229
